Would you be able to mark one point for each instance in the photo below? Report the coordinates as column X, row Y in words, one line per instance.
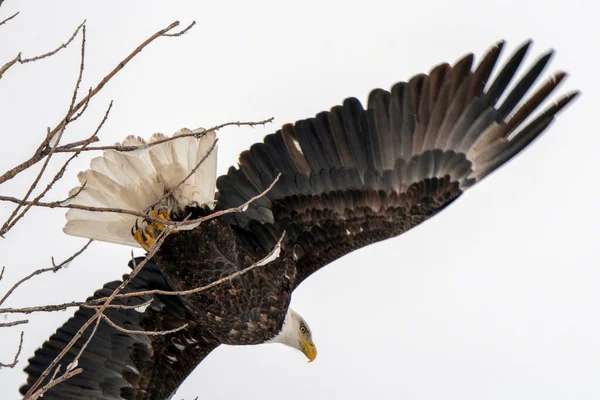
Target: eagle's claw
column 147, row 234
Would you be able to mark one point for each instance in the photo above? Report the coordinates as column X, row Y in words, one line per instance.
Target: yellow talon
column 146, row 236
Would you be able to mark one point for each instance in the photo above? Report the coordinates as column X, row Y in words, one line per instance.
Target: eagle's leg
column 146, row 235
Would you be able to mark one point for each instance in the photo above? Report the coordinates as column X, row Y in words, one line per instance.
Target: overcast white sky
column 495, row 298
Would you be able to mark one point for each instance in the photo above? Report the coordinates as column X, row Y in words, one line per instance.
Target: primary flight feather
column 348, row 177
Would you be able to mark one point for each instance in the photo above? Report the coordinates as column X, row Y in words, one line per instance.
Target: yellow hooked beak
column 309, row 349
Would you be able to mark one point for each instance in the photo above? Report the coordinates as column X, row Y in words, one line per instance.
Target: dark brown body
column 248, row 309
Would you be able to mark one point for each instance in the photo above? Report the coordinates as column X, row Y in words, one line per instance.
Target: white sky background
column 495, row 298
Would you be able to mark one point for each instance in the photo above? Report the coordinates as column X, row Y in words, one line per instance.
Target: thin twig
column 21, row 60
column 23, row 280
column 80, row 113
column 16, row 358
column 9, row 18
column 64, row 306
column 138, row 332
column 13, row 323
column 190, row 26
column 53, row 52
column 192, row 172
column 70, row 147
column 54, row 382
column 60, row 204
column 9, row 64
column 54, row 268
column 68, row 260
column 241, row 208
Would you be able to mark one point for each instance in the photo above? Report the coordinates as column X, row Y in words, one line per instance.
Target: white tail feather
column 137, row 179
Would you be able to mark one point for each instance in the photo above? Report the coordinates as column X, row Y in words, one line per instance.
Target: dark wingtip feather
column 484, row 69
column 534, row 101
column 523, row 86
column 562, row 103
column 506, row 74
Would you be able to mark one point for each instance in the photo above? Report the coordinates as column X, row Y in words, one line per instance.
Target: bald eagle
column 348, row 177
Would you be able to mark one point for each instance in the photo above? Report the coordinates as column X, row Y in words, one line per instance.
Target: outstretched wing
column 351, row 177
column 120, row 365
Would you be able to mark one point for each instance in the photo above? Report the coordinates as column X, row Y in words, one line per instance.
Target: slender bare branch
column 9, row 64
column 53, row 52
column 23, row 280
column 54, row 382
column 60, row 204
column 71, row 258
column 138, row 332
column 9, row 18
column 183, row 32
column 68, row 148
column 241, row 208
column 16, row 358
column 64, row 306
column 19, row 59
column 54, row 268
column 13, row 323
column 192, row 172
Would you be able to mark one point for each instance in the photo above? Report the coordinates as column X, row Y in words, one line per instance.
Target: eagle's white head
column 296, row 333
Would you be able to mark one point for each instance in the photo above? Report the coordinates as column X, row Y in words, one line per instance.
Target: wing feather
column 118, row 365
column 359, row 176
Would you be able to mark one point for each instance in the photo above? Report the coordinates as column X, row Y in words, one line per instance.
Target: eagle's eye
column 303, row 329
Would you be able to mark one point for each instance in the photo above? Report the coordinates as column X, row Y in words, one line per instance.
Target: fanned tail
column 137, row 179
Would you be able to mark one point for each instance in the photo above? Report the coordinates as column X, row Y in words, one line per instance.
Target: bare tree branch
column 68, row 148
column 13, row 323
column 146, row 333
column 9, row 64
column 55, row 382
column 53, row 52
column 64, row 306
column 54, row 268
column 56, row 137
column 183, row 32
column 241, row 208
column 174, row 188
column 43, row 149
column 12, row 220
column 16, row 358
column 21, row 60
column 9, row 18
column 71, row 258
